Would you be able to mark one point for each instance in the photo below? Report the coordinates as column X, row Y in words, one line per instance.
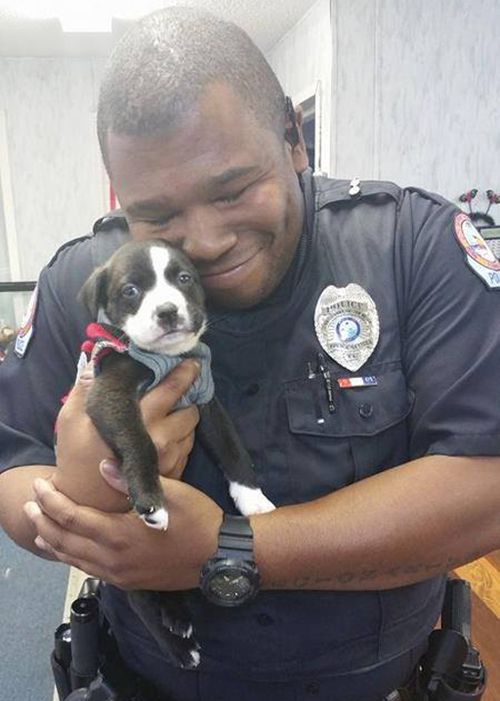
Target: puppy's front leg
column 113, row 406
column 219, row 436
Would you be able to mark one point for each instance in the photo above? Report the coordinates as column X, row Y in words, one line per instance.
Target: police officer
column 355, row 343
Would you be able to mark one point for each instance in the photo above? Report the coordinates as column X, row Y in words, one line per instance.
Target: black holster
column 85, row 661
column 451, row 669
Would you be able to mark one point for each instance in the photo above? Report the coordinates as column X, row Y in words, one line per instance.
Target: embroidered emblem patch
column 478, row 254
column 26, row 330
column 347, row 324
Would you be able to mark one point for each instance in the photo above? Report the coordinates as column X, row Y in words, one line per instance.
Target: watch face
column 231, row 585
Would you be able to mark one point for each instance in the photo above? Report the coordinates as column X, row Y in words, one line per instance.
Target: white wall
column 57, row 182
column 302, row 58
column 417, row 86
column 415, row 89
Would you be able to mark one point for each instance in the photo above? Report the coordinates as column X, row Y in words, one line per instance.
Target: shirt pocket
column 366, row 433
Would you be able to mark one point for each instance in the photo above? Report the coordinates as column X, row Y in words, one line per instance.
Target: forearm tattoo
column 367, row 575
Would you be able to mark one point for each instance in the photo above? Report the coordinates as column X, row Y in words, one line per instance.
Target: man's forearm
column 398, row 527
column 15, row 490
column 83, row 486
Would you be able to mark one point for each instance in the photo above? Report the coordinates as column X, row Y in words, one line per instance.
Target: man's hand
column 120, row 548
column 80, row 449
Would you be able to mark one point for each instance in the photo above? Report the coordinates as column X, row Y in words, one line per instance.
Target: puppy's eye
column 130, row 291
column 184, row 278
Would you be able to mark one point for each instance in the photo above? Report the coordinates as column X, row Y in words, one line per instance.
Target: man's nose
column 205, row 238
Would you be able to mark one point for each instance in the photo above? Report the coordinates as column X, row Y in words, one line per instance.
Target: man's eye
column 228, row 199
column 161, row 221
column 184, row 278
column 130, row 291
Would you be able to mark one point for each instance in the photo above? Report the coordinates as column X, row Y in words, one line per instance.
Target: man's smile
column 229, row 276
column 228, row 196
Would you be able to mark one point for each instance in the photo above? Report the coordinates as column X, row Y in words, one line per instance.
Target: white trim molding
column 7, row 196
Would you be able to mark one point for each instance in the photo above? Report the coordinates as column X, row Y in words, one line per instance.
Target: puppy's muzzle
column 167, row 316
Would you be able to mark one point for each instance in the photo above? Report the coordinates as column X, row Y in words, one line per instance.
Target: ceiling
column 266, row 21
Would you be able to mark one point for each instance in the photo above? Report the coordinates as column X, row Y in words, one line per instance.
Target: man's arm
column 16, row 488
column 80, row 451
column 404, row 525
column 398, row 527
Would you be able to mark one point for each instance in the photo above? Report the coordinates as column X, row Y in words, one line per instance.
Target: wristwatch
column 231, row 577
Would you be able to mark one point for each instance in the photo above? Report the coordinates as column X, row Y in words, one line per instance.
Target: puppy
column 150, row 304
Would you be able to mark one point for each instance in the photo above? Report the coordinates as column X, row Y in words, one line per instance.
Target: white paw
column 249, row 500
column 188, row 633
column 180, row 630
column 195, row 656
column 156, row 519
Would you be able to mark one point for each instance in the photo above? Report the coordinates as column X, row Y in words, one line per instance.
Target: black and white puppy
column 148, row 296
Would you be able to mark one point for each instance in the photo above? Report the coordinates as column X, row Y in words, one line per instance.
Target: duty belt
column 87, row 666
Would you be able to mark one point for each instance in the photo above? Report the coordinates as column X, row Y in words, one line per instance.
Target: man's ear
column 295, row 137
column 93, row 293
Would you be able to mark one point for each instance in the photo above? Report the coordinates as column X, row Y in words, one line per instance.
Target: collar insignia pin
column 355, row 189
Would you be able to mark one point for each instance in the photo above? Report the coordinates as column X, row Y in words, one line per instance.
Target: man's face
column 221, row 187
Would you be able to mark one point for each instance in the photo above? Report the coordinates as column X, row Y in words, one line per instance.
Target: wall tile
column 55, row 168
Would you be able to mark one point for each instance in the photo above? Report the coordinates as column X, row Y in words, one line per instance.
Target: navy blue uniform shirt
column 437, row 370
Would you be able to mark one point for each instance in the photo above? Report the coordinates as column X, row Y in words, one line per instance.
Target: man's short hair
column 160, row 68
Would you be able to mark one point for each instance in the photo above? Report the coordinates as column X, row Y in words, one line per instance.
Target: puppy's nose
column 167, row 314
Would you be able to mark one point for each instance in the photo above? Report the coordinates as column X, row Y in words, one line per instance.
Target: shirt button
column 252, row 389
column 264, row 619
column 366, row 410
column 312, row 688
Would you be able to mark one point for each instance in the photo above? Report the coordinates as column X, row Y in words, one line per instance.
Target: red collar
column 105, row 337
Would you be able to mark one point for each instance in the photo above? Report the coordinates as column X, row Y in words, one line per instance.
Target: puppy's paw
column 183, row 629
column 186, row 654
column 192, row 661
column 249, row 500
column 155, row 517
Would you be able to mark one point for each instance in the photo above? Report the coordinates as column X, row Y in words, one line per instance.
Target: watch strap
column 235, row 538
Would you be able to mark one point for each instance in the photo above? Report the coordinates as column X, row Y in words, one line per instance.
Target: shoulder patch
column 25, row 332
column 478, row 254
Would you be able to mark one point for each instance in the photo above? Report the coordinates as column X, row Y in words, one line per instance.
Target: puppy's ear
column 93, row 293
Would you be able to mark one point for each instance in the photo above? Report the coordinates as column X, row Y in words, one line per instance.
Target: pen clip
column 327, row 381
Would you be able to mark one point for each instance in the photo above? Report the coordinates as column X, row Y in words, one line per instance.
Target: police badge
column 347, row 325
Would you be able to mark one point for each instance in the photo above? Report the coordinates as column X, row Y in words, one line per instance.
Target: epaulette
column 113, row 220
column 432, row 196
column 329, row 191
column 110, row 232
